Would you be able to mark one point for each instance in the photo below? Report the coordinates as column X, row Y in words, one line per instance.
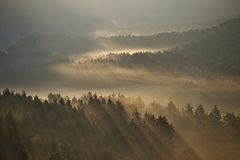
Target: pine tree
column 215, row 115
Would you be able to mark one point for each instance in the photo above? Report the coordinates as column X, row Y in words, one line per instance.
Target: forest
column 113, row 127
column 196, row 52
column 119, row 80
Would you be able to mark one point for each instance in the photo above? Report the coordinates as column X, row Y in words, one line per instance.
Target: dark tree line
column 91, row 127
column 215, row 51
column 101, row 127
column 214, row 133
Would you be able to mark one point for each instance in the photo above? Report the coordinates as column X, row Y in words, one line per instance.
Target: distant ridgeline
column 101, row 128
column 197, row 52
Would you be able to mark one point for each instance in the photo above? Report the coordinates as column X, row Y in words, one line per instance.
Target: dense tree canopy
column 101, row 127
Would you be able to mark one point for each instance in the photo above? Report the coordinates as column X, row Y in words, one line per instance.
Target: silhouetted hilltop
column 54, row 43
column 214, row 49
column 215, row 53
column 38, row 50
column 161, row 40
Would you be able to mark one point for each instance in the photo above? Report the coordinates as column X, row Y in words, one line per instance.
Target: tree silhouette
column 189, row 110
column 6, row 92
column 231, row 120
column 215, row 115
column 200, row 113
column 164, row 126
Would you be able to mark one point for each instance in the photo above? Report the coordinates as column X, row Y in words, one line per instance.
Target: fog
column 93, row 17
column 119, row 80
column 74, row 79
column 153, row 86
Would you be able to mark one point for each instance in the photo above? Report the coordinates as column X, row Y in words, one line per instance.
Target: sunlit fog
column 119, row 80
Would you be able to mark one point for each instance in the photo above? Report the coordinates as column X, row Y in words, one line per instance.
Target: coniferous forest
column 97, row 127
column 119, row 79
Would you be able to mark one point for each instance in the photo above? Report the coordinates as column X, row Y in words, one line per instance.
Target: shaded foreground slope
column 98, row 127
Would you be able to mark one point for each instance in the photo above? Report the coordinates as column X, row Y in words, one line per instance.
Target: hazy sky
column 21, row 17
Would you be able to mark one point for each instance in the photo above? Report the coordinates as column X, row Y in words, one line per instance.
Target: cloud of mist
column 183, row 89
column 19, row 18
column 86, row 17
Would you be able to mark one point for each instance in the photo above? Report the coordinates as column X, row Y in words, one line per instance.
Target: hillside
column 197, row 71
column 161, row 40
column 216, row 53
column 99, row 127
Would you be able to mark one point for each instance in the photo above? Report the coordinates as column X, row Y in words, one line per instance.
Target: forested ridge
column 119, row 80
column 212, row 52
column 198, row 53
column 97, row 127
